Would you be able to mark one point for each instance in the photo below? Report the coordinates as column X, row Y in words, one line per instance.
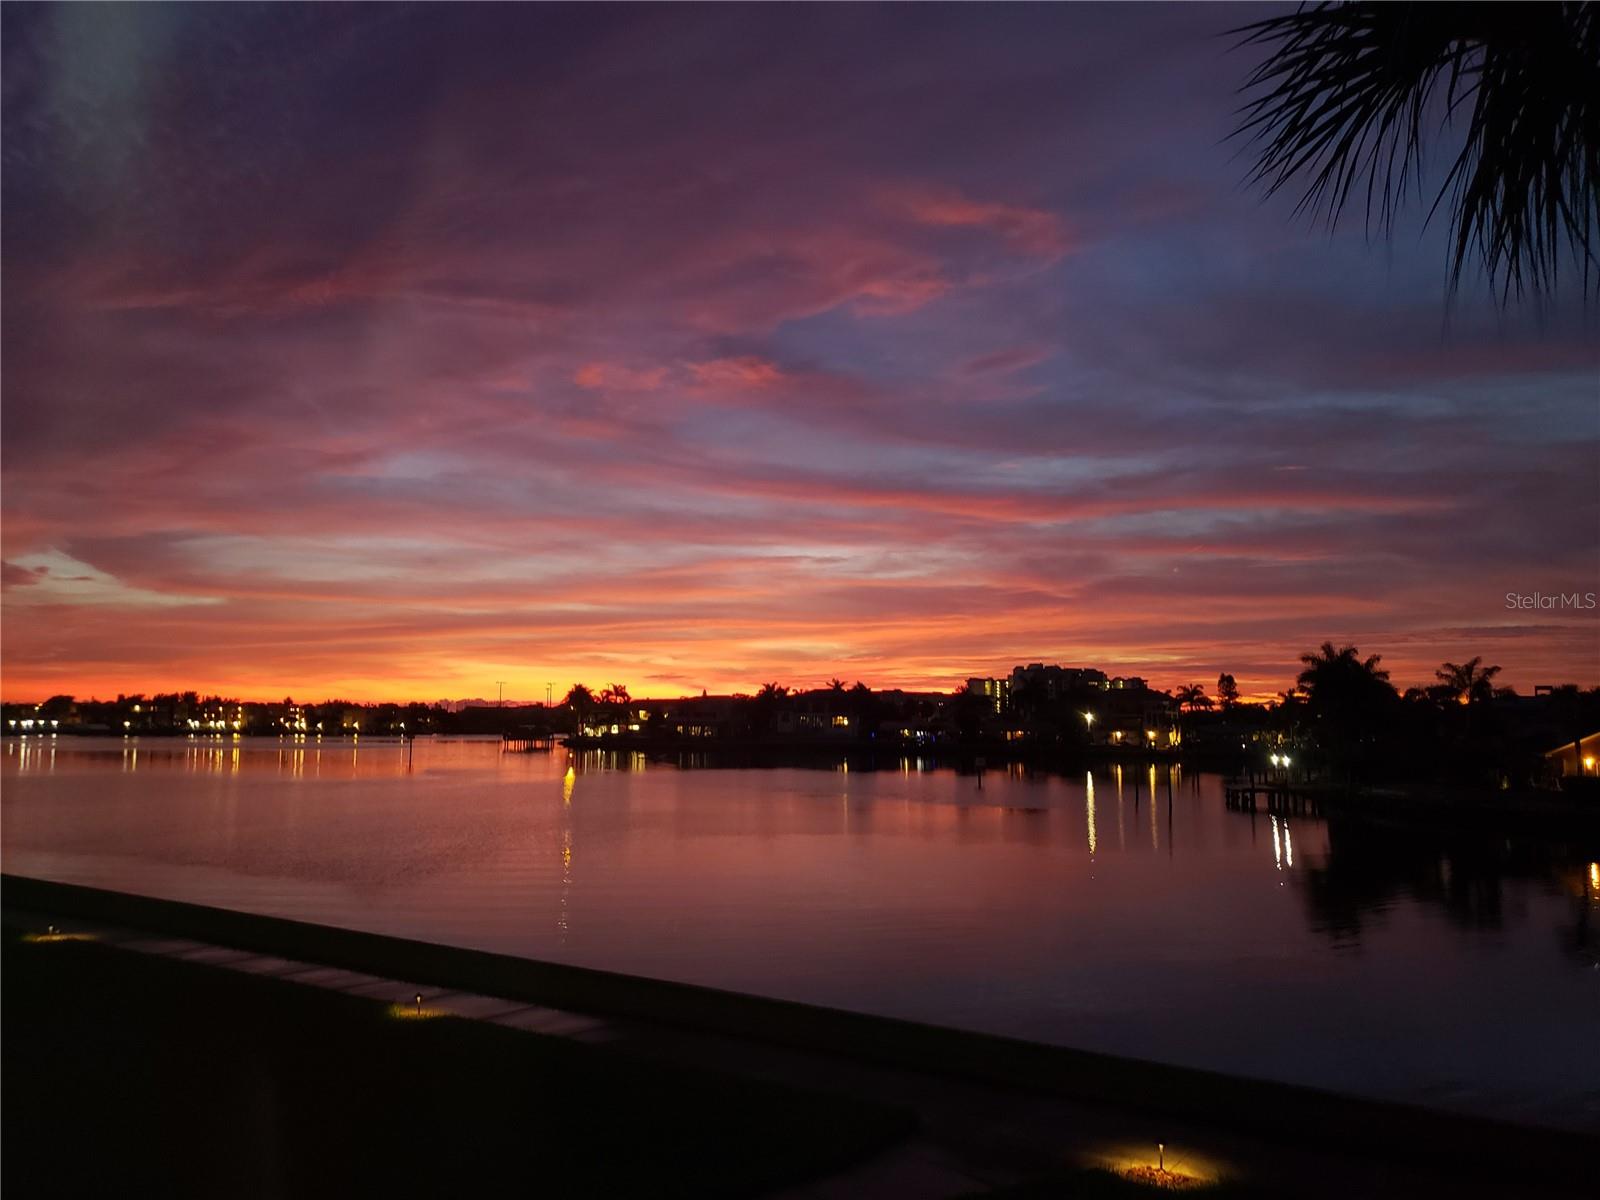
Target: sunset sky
column 389, row 352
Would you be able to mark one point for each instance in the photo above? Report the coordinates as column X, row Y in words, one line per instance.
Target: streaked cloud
column 388, row 351
column 53, row 579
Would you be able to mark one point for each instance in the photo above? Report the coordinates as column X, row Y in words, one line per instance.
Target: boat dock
column 526, row 740
column 1273, row 795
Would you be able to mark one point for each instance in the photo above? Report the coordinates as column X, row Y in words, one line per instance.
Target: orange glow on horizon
column 610, row 407
column 522, row 687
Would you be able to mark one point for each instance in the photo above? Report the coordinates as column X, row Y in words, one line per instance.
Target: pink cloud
column 1034, row 231
column 614, row 377
column 744, row 372
column 921, row 369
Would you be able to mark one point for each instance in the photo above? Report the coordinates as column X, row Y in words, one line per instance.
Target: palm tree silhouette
column 614, row 699
column 1351, row 94
column 579, row 701
column 1188, row 698
column 1347, row 696
column 1335, row 676
column 1467, row 683
column 764, row 706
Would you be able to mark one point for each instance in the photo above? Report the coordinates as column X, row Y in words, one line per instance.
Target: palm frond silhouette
column 1352, row 94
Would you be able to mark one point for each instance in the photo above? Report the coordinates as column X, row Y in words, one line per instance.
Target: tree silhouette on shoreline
column 1467, row 683
column 1227, row 691
column 1190, row 697
column 1348, row 697
column 579, row 701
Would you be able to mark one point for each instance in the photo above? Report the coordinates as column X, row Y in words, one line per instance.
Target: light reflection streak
column 1122, row 833
column 1088, row 807
column 566, row 881
column 569, row 784
column 1155, row 834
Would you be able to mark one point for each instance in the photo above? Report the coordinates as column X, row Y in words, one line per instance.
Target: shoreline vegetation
column 1469, row 1148
column 1343, row 732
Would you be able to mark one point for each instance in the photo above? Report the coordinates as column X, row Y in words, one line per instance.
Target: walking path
column 915, row 1171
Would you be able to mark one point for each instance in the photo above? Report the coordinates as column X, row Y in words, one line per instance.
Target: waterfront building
column 1055, row 682
column 996, row 691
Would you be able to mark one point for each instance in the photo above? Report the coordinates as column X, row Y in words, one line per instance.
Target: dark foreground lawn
column 1106, row 1185
column 131, row 1075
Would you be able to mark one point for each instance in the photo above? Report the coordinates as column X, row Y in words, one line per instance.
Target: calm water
column 1096, row 910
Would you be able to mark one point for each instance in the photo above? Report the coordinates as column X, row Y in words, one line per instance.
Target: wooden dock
column 528, row 740
column 1273, row 795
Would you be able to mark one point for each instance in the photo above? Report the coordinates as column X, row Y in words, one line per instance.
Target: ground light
column 53, row 934
column 1160, row 1165
column 415, row 1011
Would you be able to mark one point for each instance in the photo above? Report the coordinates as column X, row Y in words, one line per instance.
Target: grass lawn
column 131, row 1075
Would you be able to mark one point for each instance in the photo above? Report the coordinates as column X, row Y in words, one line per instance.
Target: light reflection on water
column 1118, row 909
